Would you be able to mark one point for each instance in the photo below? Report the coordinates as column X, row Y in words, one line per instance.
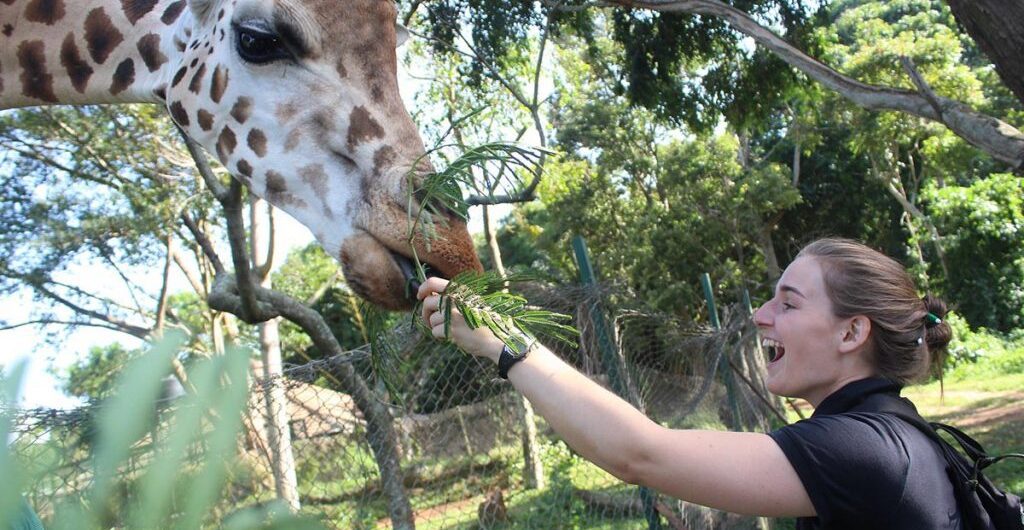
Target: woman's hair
column 862, row 281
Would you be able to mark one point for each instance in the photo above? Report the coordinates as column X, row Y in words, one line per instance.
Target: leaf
column 484, row 301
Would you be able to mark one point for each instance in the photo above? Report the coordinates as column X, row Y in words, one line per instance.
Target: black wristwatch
column 509, row 357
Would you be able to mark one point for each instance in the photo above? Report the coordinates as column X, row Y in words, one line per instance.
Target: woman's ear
column 855, row 334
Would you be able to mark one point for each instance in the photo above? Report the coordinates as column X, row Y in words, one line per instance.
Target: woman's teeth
column 774, row 348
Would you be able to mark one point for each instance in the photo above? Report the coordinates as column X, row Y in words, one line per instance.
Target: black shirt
column 867, row 469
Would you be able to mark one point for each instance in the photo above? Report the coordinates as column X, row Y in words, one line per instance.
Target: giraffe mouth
column 408, row 268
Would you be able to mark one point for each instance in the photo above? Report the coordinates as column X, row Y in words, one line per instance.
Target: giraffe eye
column 259, row 46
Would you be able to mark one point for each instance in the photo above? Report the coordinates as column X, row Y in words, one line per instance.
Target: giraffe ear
column 401, row 35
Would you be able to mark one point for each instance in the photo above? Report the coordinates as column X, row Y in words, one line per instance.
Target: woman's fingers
column 430, row 286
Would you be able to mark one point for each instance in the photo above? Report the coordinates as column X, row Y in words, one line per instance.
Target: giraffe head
column 299, row 99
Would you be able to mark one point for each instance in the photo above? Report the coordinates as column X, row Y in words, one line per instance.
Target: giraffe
column 298, row 99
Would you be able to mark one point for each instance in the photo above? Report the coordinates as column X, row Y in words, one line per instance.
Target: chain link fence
column 470, row 452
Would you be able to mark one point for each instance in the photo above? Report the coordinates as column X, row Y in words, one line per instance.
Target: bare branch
column 161, row 306
column 921, row 84
column 203, row 241
column 190, row 275
column 69, row 323
column 203, row 166
column 250, row 311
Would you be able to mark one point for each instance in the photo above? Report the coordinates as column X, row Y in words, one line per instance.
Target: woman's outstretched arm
column 738, row 472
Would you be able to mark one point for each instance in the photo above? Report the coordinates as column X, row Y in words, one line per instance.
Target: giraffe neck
column 89, row 51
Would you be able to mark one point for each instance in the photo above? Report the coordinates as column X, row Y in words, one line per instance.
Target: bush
column 983, row 352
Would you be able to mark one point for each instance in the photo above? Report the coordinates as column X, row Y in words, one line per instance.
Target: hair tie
column 931, row 320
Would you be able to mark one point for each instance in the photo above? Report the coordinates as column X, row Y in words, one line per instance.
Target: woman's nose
column 762, row 316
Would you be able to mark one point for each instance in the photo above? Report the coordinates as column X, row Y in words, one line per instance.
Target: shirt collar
column 853, row 394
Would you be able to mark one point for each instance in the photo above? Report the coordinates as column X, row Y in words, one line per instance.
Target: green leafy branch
column 441, row 191
column 484, row 301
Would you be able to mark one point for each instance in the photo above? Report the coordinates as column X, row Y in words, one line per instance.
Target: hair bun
column 939, row 335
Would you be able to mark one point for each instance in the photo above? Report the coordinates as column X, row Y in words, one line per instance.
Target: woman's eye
column 787, row 306
column 259, row 46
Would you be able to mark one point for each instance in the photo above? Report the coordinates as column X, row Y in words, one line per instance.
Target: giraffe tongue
column 412, row 282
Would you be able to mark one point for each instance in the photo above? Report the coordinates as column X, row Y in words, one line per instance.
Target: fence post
column 611, row 363
column 723, row 360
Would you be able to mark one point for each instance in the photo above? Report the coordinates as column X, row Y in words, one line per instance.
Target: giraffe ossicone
column 298, row 99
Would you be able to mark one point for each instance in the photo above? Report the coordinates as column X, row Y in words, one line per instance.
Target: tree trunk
column 998, row 28
column 282, row 460
column 533, row 469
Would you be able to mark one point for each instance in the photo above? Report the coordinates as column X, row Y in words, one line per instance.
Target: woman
column 845, row 323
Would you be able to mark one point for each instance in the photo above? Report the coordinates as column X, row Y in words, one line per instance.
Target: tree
column 984, row 227
column 689, row 68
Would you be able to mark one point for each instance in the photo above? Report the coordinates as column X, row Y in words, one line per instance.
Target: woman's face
column 801, row 334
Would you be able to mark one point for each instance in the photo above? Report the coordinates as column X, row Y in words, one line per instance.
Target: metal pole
column 611, row 362
column 723, row 362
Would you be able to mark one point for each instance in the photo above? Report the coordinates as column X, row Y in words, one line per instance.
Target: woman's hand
column 480, row 341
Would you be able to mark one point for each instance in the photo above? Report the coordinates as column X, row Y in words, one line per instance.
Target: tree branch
column 999, row 139
column 204, row 242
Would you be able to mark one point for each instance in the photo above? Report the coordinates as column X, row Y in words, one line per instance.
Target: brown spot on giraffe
column 197, row 80
column 226, row 143
column 316, row 177
column 244, row 168
column 8, row 30
column 172, row 12
column 383, row 157
column 323, row 123
column 178, row 76
column 78, row 69
column 241, row 110
column 205, row 119
column 194, row 62
column 179, row 114
column 285, row 112
column 277, row 191
column 257, row 142
column 101, row 37
column 219, row 83
column 136, row 9
column 293, row 139
column 45, row 11
column 124, row 76
column 8, row 2
column 362, row 127
column 276, row 184
column 36, row 82
column 149, row 50
column 161, row 92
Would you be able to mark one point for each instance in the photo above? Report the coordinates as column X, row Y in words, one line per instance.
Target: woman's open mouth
column 774, row 348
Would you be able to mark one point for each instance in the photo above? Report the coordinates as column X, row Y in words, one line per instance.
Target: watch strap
column 508, row 358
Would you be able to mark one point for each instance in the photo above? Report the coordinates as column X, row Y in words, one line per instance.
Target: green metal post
column 723, row 363
column 610, row 360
